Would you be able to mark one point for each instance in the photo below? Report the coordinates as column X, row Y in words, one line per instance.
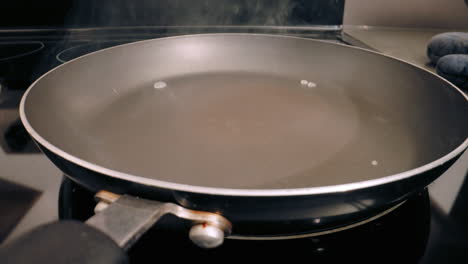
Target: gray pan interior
column 240, row 111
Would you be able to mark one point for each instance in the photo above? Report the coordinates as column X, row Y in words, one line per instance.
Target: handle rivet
column 100, row 206
column 206, row 235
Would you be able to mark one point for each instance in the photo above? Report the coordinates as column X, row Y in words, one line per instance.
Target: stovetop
column 27, row 54
column 383, row 235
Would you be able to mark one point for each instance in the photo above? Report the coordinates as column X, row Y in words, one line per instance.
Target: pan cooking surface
column 247, row 130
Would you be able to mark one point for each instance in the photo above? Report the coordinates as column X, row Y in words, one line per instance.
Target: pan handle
column 120, row 220
column 125, row 218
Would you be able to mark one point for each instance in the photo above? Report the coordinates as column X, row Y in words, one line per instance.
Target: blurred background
column 446, row 14
column 82, row 13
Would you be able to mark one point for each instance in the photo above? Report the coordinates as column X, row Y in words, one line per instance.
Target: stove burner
column 17, row 61
column 15, row 50
column 400, row 235
column 326, row 232
column 80, row 50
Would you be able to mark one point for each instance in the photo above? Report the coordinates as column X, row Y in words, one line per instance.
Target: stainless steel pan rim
column 239, row 192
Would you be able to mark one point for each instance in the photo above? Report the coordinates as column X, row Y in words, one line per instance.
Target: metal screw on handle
column 206, row 235
column 100, row 206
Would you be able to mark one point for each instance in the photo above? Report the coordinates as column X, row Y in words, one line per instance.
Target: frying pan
column 247, row 136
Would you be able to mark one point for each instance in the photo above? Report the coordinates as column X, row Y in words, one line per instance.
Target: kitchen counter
column 407, row 44
column 410, row 45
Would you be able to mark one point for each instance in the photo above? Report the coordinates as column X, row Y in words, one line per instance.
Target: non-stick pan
column 263, row 137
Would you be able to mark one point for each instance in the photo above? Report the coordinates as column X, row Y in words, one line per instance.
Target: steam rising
column 104, row 23
column 182, row 12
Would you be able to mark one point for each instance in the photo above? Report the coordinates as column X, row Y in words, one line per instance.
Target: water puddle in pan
column 244, row 130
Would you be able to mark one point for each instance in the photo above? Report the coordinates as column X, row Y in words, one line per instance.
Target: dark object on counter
column 449, row 53
column 15, row 201
column 63, row 242
column 455, row 69
column 446, row 44
column 18, row 139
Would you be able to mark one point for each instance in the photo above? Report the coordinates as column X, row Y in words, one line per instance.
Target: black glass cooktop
column 415, row 232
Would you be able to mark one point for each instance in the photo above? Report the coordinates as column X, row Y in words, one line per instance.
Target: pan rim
column 232, row 191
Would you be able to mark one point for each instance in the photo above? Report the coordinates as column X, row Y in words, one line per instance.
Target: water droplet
column 374, row 163
column 160, row 85
column 311, row 85
column 315, row 240
column 304, row 82
column 380, row 119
